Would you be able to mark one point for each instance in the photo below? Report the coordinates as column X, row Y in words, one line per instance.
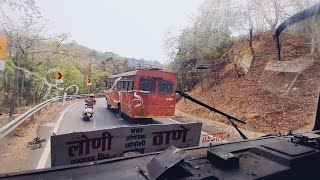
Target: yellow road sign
column 89, row 80
column 59, row 75
column 3, row 47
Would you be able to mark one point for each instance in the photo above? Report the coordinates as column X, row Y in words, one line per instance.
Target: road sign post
column 59, row 77
column 64, row 97
column 89, row 81
column 3, row 52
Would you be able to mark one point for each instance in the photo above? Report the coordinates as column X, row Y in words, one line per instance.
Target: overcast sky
column 130, row 28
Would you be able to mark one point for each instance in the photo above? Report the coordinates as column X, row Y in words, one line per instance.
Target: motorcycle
column 87, row 113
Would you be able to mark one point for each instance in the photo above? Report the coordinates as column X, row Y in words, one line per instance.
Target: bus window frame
column 148, row 79
column 126, row 83
column 167, row 81
column 132, row 85
column 118, row 86
column 109, row 84
column 122, row 86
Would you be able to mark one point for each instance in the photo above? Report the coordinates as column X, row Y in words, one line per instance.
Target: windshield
column 233, row 64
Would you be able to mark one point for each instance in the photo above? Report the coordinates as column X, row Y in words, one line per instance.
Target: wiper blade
column 302, row 15
column 230, row 118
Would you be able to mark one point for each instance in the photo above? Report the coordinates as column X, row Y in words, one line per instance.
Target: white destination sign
column 108, row 143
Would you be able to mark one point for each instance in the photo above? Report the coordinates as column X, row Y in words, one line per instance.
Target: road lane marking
column 175, row 121
column 96, row 113
column 55, row 130
column 44, row 157
column 119, row 117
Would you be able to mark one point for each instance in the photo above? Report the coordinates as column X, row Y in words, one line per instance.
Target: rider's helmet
column 91, row 95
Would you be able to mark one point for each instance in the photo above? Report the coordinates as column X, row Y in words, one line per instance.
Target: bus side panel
column 109, row 98
column 135, row 102
column 113, row 98
column 127, row 98
column 126, row 103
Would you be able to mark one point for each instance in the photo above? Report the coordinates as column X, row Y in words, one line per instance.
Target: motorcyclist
column 90, row 101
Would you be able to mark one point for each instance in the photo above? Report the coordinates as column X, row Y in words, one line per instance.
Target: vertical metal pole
column 278, row 46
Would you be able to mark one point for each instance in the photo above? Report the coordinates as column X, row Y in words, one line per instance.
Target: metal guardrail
column 96, row 95
column 9, row 127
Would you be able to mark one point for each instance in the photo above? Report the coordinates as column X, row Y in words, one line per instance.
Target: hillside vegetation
column 34, row 53
column 243, row 75
column 260, row 97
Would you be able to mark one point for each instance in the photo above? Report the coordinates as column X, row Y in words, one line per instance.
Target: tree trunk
column 10, row 50
column 231, row 54
column 6, row 91
column 3, row 93
column 251, row 38
column 13, row 99
column 313, row 36
column 22, row 90
column 22, row 86
column 273, row 28
column 312, row 45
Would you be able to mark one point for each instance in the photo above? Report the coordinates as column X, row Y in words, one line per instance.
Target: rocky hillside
column 269, row 100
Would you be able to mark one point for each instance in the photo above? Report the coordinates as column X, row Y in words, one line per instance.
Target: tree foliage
column 34, row 54
column 209, row 40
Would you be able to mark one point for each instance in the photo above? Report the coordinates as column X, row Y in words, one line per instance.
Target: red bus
column 143, row 94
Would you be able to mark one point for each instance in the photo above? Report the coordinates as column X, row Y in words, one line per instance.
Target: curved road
column 72, row 121
column 103, row 118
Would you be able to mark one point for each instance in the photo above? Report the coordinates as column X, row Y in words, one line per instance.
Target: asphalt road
column 103, row 118
column 72, row 121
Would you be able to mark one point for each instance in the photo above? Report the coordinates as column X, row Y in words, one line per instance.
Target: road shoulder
column 15, row 153
column 211, row 126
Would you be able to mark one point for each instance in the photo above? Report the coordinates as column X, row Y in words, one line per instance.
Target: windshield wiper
column 230, row 118
column 302, row 15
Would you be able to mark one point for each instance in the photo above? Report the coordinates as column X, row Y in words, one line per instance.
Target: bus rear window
column 130, row 86
column 148, row 85
column 165, row 87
